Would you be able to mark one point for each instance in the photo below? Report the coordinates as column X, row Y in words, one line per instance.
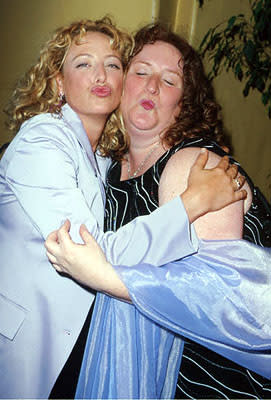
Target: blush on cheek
column 130, row 86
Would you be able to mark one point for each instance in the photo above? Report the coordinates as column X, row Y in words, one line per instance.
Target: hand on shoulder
column 206, row 187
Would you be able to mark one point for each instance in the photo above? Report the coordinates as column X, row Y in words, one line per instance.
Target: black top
column 203, row 373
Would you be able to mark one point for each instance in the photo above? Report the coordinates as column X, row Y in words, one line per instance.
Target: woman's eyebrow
column 91, row 56
column 166, row 69
column 141, row 62
column 177, row 73
column 82, row 55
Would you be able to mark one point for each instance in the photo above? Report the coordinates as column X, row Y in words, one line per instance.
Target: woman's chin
column 144, row 122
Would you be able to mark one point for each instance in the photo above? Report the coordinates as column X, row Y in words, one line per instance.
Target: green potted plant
column 243, row 45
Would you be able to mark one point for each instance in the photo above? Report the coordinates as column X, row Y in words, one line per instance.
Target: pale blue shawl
column 220, row 297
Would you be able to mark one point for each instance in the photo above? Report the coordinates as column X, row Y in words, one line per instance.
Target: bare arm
column 226, row 223
column 202, row 190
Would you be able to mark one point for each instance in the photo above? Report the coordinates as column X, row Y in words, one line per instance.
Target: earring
column 62, row 99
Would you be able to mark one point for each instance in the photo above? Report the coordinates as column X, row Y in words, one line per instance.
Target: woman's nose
column 153, row 84
column 100, row 74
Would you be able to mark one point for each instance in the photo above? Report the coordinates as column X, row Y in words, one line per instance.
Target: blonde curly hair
column 37, row 92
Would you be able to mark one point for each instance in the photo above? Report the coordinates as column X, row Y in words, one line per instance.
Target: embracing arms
column 51, row 176
column 74, row 259
column 227, row 284
column 224, row 223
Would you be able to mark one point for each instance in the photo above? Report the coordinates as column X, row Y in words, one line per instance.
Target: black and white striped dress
column 203, row 373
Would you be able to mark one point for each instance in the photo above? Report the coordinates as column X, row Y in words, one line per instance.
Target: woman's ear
column 60, row 85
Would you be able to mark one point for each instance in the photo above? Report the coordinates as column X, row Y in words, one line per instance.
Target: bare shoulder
column 185, row 158
column 226, row 223
column 175, row 175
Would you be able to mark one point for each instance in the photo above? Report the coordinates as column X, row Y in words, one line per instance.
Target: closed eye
column 169, row 82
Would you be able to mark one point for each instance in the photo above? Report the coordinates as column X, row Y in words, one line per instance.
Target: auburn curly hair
column 37, row 92
column 200, row 112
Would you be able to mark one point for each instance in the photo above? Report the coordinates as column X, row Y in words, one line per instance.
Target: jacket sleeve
column 43, row 174
column 219, row 297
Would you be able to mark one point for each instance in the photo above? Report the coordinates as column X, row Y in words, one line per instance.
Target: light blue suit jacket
column 49, row 173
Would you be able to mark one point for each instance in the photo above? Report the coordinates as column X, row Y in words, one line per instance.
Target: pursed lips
column 147, row 104
column 101, row 91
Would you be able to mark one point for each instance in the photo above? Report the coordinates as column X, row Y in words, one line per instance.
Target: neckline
column 167, row 152
column 136, row 178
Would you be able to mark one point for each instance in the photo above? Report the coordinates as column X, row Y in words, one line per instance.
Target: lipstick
column 147, row 104
column 101, row 91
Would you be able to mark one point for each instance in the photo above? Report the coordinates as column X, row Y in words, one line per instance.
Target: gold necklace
column 141, row 165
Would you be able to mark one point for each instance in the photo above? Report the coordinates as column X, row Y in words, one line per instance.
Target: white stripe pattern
column 203, row 374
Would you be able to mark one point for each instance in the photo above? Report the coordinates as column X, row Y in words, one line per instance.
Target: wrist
column 193, row 204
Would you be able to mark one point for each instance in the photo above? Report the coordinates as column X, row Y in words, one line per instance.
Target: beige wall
column 180, row 14
column 25, row 25
column 245, row 118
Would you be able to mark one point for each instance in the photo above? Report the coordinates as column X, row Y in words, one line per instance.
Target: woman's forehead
column 93, row 43
column 160, row 53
